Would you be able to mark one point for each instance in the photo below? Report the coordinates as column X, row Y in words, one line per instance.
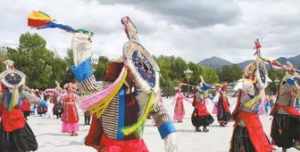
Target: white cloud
column 193, row 30
column 189, row 13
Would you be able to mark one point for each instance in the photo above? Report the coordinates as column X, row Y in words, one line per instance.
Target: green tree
column 40, row 65
column 164, row 64
column 210, row 75
column 178, row 66
column 230, row 73
column 3, row 57
column 101, row 67
column 69, row 58
column 59, row 66
column 275, row 76
column 172, row 73
column 197, row 71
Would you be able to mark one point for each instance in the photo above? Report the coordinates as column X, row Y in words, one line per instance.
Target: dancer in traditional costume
column 201, row 117
column 15, row 133
column 50, row 108
column 70, row 117
column 121, row 107
column 87, row 118
column 248, row 134
column 223, row 106
column 58, row 109
column 132, row 86
column 42, row 105
column 285, row 130
column 179, row 107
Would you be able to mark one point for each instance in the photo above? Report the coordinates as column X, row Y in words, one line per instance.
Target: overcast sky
column 192, row 29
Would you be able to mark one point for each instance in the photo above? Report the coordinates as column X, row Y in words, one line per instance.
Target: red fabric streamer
column 290, row 110
column 111, row 145
column 38, row 19
column 254, row 127
column 255, row 130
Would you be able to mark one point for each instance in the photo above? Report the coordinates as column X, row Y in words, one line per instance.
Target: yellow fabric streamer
column 38, row 15
column 14, row 99
column 99, row 108
column 130, row 129
column 251, row 103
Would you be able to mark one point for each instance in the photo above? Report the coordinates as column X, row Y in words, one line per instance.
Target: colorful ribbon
column 275, row 64
column 141, row 120
column 41, row 20
column 97, row 102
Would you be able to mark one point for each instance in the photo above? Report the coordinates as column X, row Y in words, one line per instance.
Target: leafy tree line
column 43, row 67
column 230, row 73
column 172, row 73
column 275, row 76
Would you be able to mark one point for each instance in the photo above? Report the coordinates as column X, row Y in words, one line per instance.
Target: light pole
column 188, row 73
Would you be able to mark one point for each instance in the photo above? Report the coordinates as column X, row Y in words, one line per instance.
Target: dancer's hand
column 170, row 143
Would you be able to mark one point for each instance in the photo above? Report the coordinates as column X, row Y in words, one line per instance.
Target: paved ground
column 217, row 140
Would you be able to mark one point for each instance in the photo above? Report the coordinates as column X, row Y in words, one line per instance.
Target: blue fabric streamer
column 204, row 87
column 61, row 26
column 166, row 128
column 121, row 118
column 84, row 70
column 290, row 81
column 6, row 98
column 7, row 95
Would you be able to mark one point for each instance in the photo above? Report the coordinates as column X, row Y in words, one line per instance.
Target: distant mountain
column 295, row 60
column 215, row 62
column 242, row 65
column 282, row 60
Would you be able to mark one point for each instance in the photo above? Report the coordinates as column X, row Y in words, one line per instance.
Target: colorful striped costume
column 121, row 106
column 285, row 130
